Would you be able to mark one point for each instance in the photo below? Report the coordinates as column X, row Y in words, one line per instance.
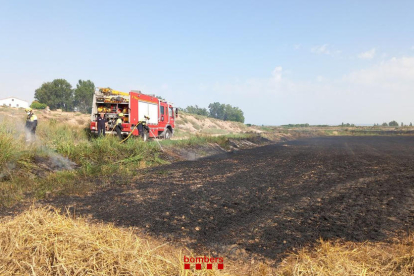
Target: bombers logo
column 198, row 261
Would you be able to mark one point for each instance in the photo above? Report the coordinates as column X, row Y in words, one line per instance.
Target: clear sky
column 317, row 62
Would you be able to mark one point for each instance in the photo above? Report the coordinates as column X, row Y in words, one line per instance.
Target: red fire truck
column 156, row 115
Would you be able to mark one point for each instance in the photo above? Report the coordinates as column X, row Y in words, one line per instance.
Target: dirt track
column 269, row 200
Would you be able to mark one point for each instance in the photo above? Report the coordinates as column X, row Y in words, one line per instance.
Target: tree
column 393, row 123
column 233, row 114
column 56, row 94
column 411, row 124
column 196, row 110
column 226, row 112
column 84, row 95
column 384, row 124
column 402, row 124
column 216, row 110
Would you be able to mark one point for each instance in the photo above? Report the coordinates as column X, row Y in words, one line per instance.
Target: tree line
column 217, row 110
column 393, row 123
column 59, row 94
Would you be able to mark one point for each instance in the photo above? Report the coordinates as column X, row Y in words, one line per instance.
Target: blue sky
column 318, row 62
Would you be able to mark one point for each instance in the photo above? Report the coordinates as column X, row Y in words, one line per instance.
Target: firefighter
column 118, row 125
column 142, row 125
column 102, row 124
column 31, row 124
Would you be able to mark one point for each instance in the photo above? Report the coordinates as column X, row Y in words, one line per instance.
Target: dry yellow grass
column 190, row 124
column 44, row 242
column 349, row 258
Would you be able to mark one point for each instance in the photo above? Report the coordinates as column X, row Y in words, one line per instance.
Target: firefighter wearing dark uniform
column 31, row 124
column 101, row 122
column 118, row 125
column 143, row 125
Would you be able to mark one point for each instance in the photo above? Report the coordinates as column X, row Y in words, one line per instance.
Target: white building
column 13, row 102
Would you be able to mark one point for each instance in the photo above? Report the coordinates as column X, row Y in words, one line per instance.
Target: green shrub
column 37, row 105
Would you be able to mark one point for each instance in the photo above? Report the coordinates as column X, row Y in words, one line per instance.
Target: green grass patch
column 100, row 161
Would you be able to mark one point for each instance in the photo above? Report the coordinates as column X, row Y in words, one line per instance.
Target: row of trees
column 296, row 125
column 196, row 110
column 347, row 125
column 217, row 110
column 59, row 94
column 392, row 123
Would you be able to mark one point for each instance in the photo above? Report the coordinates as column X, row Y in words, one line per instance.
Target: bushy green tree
column 384, row 124
column 84, row 95
column 226, row 112
column 393, row 123
column 196, row 110
column 233, row 114
column 216, row 110
column 56, row 94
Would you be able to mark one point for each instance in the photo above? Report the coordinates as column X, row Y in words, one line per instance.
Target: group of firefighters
column 103, row 124
column 31, row 124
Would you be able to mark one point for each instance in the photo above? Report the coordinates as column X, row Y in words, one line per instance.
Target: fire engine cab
column 155, row 114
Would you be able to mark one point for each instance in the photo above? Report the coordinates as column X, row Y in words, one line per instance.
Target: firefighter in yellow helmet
column 31, row 124
column 118, row 125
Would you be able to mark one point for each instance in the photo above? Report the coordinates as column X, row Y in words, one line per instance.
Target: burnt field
column 269, row 200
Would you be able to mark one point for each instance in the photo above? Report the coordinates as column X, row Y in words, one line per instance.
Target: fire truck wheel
column 168, row 134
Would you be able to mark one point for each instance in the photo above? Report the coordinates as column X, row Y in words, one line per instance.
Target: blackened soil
column 266, row 201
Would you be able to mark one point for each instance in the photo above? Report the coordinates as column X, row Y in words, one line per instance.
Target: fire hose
column 150, row 132
column 128, row 134
column 156, row 140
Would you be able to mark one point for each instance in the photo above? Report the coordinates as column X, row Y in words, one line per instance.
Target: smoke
column 14, row 125
column 58, row 162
